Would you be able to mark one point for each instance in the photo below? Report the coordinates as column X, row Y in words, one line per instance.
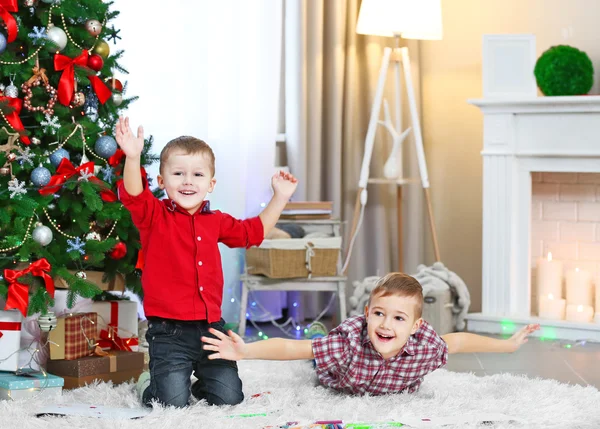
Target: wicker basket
column 297, row 257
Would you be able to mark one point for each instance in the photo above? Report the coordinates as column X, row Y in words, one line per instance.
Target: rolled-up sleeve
column 332, row 357
column 241, row 233
column 142, row 207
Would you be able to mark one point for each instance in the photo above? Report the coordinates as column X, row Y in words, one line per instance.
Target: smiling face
column 391, row 320
column 187, row 178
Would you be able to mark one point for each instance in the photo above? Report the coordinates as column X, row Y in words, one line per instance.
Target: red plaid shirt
column 182, row 276
column 347, row 361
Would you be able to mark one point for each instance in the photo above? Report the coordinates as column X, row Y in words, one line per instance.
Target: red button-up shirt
column 183, row 277
column 347, row 361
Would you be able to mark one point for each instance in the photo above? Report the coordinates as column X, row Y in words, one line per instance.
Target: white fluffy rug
column 294, row 396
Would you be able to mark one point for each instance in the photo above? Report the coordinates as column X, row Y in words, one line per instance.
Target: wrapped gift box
column 29, row 385
column 74, row 336
column 10, row 339
column 120, row 318
column 118, row 367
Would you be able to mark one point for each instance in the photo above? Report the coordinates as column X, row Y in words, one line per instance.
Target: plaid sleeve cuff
column 330, row 352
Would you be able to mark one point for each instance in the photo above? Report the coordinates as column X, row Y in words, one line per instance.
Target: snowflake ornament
column 85, row 175
column 50, row 124
column 38, row 35
column 25, row 156
column 76, row 245
column 15, row 187
column 107, row 173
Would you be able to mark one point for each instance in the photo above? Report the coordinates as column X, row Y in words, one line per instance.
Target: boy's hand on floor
column 520, row 337
column 230, row 347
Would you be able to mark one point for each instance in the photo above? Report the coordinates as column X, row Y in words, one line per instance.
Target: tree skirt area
column 280, row 392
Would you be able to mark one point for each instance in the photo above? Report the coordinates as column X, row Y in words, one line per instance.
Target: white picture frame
column 508, row 61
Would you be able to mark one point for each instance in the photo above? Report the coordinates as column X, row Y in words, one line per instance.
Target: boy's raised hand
column 230, row 347
column 520, row 337
column 284, row 184
column 131, row 145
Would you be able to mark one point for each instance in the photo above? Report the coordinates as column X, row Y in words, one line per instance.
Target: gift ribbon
column 13, row 117
column 7, row 6
column 109, row 339
column 18, row 293
column 66, row 84
column 66, row 170
column 9, row 326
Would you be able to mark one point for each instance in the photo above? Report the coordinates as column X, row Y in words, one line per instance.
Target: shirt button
column 199, row 238
column 201, row 288
column 200, row 263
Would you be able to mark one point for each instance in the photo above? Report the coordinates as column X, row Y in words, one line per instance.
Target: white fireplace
column 521, row 138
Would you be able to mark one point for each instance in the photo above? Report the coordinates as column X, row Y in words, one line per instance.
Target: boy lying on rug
column 389, row 349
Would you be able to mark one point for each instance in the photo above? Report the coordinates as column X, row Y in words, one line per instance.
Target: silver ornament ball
column 40, row 176
column 42, row 234
column 106, row 146
column 117, row 99
column 58, row 37
column 11, row 91
column 93, row 27
column 57, row 156
column 35, row 141
column 3, row 43
column 47, row 322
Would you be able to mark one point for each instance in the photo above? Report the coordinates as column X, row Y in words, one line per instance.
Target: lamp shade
column 409, row 19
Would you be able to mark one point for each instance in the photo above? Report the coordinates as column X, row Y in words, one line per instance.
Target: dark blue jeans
column 176, row 351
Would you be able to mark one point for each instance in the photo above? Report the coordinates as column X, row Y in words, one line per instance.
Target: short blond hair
column 191, row 146
column 402, row 285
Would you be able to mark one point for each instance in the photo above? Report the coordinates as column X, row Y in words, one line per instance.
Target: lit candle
column 579, row 287
column 551, row 308
column 549, row 277
column 580, row 313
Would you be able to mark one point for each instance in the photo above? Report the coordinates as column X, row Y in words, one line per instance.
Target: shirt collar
column 172, row 206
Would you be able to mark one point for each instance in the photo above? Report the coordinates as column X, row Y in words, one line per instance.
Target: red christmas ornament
column 114, row 84
column 95, row 62
column 119, row 251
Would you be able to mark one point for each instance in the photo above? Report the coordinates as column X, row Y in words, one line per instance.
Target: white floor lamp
column 409, row 19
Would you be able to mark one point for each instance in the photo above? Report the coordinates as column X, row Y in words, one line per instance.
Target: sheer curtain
column 210, row 69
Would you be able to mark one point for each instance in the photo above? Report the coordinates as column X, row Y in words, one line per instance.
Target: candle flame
column 580, row 308
column 549, row 256
column 550, row 296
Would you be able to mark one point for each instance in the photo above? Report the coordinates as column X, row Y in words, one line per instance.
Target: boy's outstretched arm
column 132, row 146
column 284, row 185
column 462, row 342
column 232, row 347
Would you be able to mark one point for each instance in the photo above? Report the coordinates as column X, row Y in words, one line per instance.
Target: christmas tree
column 60, row 219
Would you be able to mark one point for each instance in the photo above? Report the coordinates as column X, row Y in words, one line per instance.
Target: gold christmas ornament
column 93, row 26
column 102, row 49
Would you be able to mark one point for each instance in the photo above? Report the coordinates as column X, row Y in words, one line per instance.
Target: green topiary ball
column 564, row 70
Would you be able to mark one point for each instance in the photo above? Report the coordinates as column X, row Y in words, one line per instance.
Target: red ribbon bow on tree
column 15, row 104
column 66, row 85
column 7, row 6
column 18, row 293
column 66, row 170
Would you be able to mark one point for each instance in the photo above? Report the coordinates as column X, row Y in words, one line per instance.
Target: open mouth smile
column 187, row 192
column 385, row 338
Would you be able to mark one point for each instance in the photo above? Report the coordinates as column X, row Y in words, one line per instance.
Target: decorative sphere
column 564, row 70
column 40, row 176
column 81, row 275
column 114, row 84
column 11, row 91
column 106, row 146
column 93, row 236
column 35, row 141
column 3, row 43
column 42, row 234
column 58, row 37
column 78, row 99
column 47, row 321
column 316, row 330
column 93, row 26
column 57, row 156
column 117, row 99
column 95, row 62
column 101, row 48
column 11, row 157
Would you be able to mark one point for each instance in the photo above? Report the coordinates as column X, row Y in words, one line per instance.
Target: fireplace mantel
column 521, row 136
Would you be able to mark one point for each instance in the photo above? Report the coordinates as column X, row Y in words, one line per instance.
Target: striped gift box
column 74, row 336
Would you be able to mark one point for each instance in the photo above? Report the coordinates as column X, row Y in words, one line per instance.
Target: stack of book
column 307, row 210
